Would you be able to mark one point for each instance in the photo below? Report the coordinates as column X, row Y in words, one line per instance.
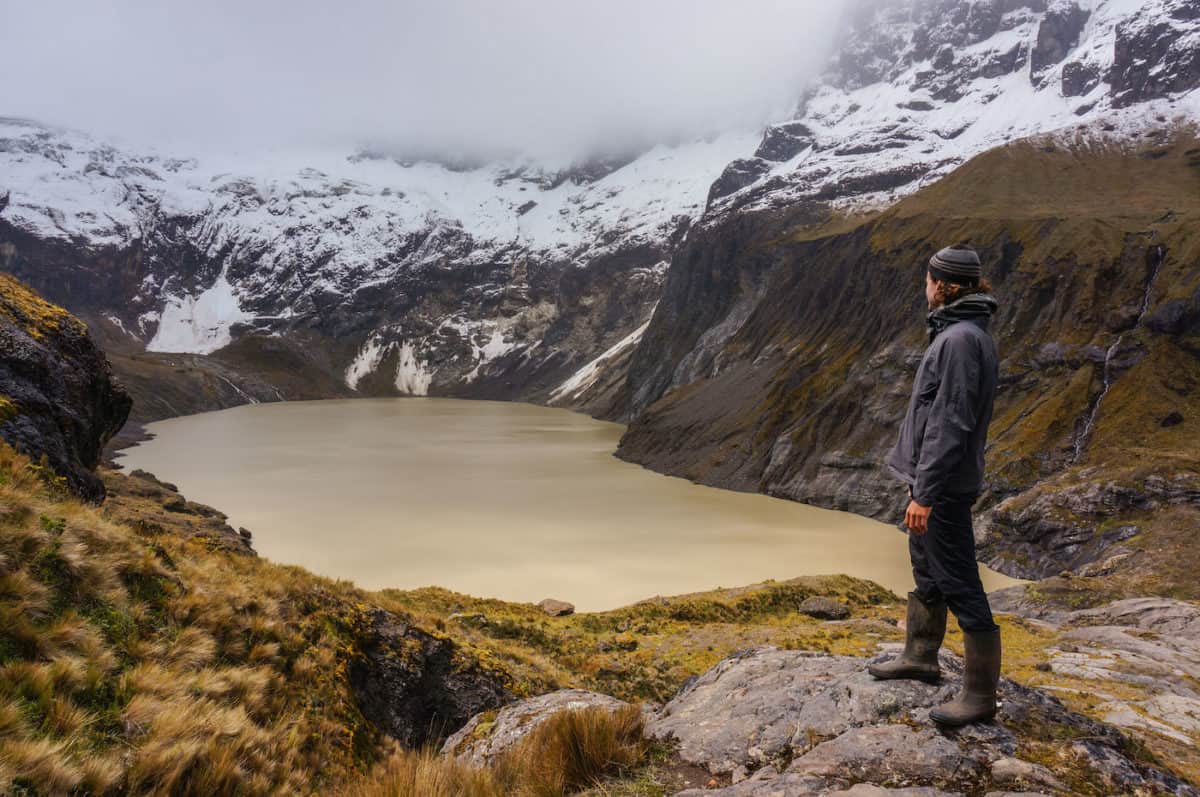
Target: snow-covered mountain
column 349, row 244
column 529, row 280
column 919, row 87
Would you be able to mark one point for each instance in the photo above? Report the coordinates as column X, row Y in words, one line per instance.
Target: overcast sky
column 555, row 77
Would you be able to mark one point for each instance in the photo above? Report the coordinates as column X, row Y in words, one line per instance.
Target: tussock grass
column 424, row 773
column 147, row 663
column 571, row 751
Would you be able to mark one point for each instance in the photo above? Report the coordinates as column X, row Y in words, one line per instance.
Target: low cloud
column 464, row 78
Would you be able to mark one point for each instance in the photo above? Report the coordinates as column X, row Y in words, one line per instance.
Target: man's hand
column 917, row 517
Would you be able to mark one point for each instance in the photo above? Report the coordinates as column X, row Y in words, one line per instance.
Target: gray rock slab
column 753, row 708
column 481, row 740
column 804, row 786
column 788, row 723
column 890, row 753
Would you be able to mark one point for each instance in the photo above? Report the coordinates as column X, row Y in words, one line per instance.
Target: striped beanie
column 959, row 263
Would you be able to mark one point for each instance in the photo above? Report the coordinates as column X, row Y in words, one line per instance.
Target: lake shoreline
column 568, row 519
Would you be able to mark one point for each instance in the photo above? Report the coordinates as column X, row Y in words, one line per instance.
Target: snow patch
column 199, row 324
column 495, row 347
column 583, row 379
column 367, row 361
column 116, row 322
column 412, row 376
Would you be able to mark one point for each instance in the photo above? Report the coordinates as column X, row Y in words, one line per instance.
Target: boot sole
column 928, row 678
column 958, row 723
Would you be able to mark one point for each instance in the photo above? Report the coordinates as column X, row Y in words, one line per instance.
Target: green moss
column 8, row 409
column 33, row 314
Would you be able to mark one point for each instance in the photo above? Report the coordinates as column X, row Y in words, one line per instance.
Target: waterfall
column 1160, row 254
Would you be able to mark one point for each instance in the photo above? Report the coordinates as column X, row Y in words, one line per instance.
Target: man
column 939, row 453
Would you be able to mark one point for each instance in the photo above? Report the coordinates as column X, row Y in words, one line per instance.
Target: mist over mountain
column 458, row 79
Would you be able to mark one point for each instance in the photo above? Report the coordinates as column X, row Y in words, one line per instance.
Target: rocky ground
column 1093, row 702
column 1131, row 663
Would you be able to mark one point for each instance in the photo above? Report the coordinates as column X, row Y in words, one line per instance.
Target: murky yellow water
column 496, row 499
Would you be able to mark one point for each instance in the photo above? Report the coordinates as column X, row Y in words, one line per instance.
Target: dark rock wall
column 58, row 397
column 417, row 687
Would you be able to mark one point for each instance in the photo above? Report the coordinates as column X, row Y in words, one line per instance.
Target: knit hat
column 959, row 263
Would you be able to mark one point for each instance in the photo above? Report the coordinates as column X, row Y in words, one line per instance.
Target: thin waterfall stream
column 1081, row 440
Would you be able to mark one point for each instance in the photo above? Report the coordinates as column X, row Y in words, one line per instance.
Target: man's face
column 931, row 286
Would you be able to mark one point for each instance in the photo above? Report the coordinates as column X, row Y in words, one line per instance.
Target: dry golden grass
column 146, row 663
column 571, row 751
column 426, row 774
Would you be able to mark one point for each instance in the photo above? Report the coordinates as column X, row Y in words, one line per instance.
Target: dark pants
column 944, row 566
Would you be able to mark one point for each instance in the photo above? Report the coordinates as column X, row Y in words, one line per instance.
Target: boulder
column 556, row 608
column 824, row 608
column 487, row 735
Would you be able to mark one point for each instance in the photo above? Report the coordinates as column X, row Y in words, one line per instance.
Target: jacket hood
column 975, row 307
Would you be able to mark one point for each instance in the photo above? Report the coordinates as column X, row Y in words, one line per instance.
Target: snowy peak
column 919, row 86
column 277, row 238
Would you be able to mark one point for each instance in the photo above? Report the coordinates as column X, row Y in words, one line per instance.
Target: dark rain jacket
column 939, row 449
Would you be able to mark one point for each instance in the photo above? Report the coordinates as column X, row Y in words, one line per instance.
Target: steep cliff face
column 782, row 353
column 58, row 397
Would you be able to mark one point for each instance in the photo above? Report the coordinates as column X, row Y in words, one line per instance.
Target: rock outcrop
column 488, row 735
column 151, row 506
column 790, row 723
column 58, row 397
column 1139, row 656
column 415, row 686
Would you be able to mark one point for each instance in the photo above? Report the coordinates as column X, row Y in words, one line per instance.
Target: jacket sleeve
column 952, row 417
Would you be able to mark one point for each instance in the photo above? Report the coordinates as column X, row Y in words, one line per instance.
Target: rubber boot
column 977, row 701
column 925, row 627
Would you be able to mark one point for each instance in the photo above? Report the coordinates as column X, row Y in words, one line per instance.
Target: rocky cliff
column 782, row 351
column 58, row 397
